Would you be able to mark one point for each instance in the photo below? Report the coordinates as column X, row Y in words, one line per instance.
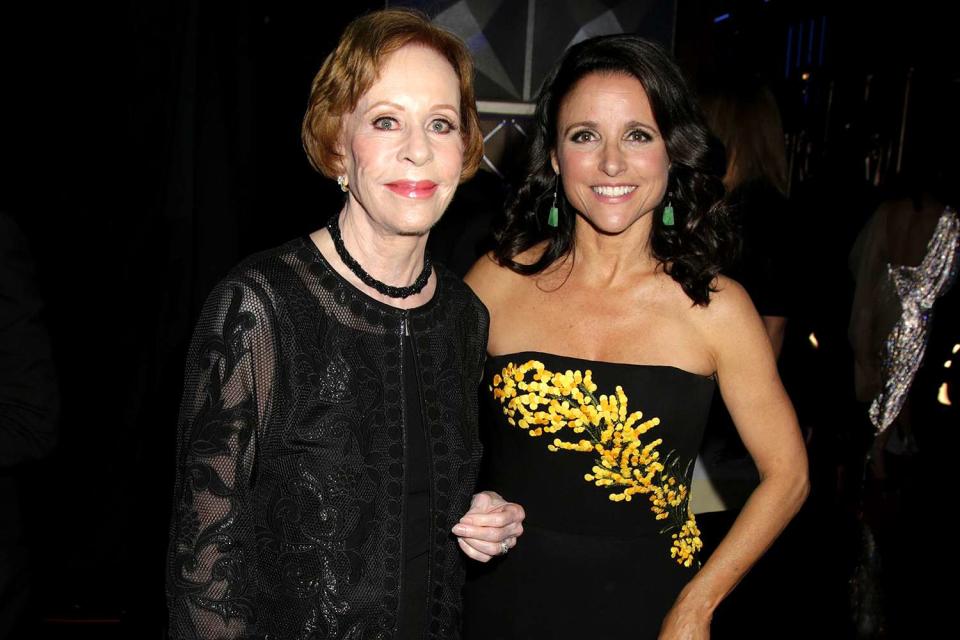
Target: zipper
column 403, row 486
column 430, row 480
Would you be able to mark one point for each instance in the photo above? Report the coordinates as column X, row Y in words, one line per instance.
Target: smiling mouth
column 613, row 191
column 410, row 189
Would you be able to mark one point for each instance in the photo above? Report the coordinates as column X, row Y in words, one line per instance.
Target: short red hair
column 353, row 67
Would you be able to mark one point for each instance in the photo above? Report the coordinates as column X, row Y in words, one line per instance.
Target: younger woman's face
column 610, row 155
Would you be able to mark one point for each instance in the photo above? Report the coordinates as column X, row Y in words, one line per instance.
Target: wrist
column 698, row 599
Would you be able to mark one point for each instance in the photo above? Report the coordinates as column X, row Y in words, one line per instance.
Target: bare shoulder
column 486, row 277
column 729, row 302
column 731, row 320
column 492, row 281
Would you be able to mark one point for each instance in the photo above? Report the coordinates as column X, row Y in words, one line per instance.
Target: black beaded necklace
column 333, row 226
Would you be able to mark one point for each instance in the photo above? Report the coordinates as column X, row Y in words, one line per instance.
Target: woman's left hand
column 490, row 528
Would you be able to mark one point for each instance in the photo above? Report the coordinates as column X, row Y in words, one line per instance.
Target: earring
column 553, row 218
column 343, row 182
column 668, row 214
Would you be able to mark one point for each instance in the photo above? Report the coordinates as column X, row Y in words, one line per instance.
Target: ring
column 504, row 548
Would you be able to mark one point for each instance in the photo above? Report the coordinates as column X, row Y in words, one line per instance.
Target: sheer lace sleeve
column 226, row 401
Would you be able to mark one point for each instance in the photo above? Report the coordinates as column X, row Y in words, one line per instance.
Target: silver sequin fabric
column 917, row 288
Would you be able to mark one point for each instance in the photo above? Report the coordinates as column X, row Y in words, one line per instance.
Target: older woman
column 610, row 330
column 327, row 438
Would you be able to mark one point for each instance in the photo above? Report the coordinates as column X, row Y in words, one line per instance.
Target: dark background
column 145, row 147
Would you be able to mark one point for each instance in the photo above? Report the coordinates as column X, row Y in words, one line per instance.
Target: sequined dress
column 585, row 567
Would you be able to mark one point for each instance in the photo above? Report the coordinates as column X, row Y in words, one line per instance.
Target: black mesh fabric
column 288, row 514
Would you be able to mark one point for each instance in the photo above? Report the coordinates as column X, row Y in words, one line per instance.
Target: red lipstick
column 410, row 189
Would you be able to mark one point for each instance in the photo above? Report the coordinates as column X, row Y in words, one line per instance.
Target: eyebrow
column 394, row 105
column 587, row 123
column 593, row 125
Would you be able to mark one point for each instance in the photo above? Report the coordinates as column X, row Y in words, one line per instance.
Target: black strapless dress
column 586, row 566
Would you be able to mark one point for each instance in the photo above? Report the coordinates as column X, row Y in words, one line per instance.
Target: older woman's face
column 402, row 147
column 610, row 154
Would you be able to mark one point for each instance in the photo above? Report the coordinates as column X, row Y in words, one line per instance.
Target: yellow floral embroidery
column 564, row 404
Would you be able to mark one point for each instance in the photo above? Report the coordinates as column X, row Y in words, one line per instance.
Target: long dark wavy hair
column 701, row 243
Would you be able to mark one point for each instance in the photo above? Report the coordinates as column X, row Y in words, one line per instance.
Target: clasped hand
column 490, row 527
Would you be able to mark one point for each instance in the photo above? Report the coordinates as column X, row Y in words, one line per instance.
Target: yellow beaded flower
column 564, row 404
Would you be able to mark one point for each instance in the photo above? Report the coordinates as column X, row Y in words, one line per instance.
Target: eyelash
column 448, row 127
column 637, row 135
column 579, row 136
column 382, row 119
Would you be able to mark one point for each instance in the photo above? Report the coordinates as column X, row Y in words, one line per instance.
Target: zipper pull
column 404, row 330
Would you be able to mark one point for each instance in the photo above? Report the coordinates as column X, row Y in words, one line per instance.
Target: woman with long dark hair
column 745, row 117
column 610, row 330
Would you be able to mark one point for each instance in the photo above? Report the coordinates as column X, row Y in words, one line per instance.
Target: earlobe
column 342, row 164
column 554, row 163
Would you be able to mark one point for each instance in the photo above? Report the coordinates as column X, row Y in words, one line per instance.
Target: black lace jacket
column 288, row 505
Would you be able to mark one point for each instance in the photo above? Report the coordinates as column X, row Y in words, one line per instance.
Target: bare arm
column 776, row 326
column 765, row 420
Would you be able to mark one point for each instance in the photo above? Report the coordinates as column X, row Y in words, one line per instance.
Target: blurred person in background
column 905, row 333
column 29, row 405
column 743, row 113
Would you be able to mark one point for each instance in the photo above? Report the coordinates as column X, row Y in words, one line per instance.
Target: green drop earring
column 553, row 218
column 668, row 220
